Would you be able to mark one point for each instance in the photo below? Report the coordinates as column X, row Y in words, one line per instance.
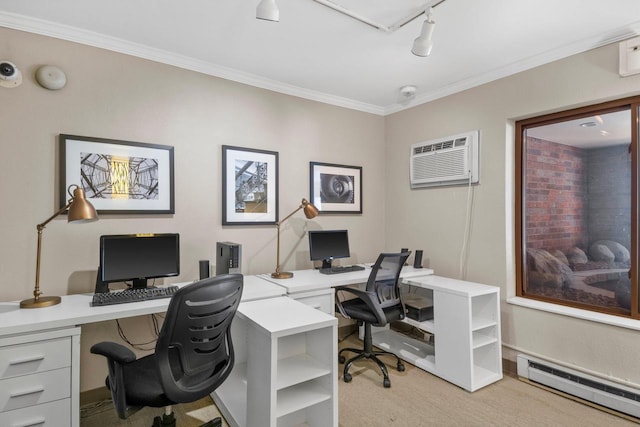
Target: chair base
column 368, row 353
column 169, row 420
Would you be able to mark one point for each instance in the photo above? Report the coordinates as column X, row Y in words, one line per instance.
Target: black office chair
column 377, row 305
column 193, row 354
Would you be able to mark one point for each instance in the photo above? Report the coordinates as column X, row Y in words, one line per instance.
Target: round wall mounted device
column 10, row 76
column 51, row 77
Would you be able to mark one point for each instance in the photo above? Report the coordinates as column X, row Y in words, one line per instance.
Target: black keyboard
column 133, row 295
column 341, row 269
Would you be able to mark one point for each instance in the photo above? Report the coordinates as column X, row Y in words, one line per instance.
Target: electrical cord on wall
column 467, row 231
column 141, row 345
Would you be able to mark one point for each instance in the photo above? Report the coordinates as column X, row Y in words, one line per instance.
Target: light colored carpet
column 415, row 399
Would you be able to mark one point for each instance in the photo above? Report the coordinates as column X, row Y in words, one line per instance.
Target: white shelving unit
column 466, row 349
column 286, row 351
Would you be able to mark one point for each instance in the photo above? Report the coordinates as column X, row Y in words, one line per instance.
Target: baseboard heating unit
column 586, row 388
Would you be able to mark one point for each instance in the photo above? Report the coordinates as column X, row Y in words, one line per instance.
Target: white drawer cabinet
column 39, row 378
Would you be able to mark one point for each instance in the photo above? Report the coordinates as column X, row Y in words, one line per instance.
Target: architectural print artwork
column 336, row 188
column 249, row 186
column 118, row 176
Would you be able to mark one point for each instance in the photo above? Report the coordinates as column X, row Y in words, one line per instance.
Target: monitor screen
column 325, row 245
column 138, row 257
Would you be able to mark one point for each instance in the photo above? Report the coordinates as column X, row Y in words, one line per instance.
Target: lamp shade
column 310, row 211
column 80, row 209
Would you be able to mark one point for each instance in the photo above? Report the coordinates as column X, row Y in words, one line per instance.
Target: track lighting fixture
column 268, row 10
column 423, row 43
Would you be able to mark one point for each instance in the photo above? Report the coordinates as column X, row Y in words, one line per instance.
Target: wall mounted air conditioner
column 445, row 161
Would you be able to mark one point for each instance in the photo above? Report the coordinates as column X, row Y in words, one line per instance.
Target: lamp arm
column 42, row 225
column 289, row 216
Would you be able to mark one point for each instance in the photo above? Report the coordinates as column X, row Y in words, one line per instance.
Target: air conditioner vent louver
column 446, row 161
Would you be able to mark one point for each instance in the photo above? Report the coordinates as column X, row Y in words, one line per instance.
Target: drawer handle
column 317, row 306
column 26, row 360
column 39, row 389
column 38, row 422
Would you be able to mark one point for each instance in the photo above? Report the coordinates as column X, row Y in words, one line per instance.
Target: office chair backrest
column 194, row 349
column 383, row 279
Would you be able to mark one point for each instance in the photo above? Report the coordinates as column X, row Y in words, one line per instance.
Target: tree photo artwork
column 249, row 186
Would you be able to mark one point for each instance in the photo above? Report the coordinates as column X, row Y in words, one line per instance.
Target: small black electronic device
column 419, row 308
column 136, row 258
column 327, row 245
column 417, row 260
column 228, row 258
column 204, row 268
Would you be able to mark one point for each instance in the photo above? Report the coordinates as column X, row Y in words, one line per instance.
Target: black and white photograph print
column 249, row 186
column 121, row 177
column 336, row 188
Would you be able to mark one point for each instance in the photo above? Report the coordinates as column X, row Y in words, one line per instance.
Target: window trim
column 631, row 103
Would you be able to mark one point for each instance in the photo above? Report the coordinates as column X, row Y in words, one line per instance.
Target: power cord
column 467, row 230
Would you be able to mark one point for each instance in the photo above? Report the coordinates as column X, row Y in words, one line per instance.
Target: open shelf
column 300, row 396
column 298, row 369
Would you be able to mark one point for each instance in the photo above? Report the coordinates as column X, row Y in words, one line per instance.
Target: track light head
column 423, row 43
column 268, row 10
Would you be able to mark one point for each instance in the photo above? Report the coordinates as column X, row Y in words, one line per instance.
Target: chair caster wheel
column 400, row 367
column 347, row 378
column 341, row 359
column 386, row 383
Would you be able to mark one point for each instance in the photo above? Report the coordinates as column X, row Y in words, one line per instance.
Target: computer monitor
column 326, row 245
column 137, row 257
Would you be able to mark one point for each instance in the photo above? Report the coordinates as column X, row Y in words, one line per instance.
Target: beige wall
column 110, row 95
column 434, row 219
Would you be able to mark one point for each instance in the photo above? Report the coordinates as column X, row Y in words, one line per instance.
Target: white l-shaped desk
column 40, row 359
column 466, row 349
column 286, row 351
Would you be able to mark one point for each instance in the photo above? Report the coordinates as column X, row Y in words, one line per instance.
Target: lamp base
column 40, row 302
column 282, row 275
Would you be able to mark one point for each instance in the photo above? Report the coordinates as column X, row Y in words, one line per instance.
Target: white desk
column 40, row 349
column 316, row 289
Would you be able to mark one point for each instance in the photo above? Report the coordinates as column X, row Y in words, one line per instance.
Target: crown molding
column 90, row 38
column 47, row 28
column 580, row 46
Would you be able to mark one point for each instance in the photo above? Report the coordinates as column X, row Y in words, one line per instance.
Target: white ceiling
column 317, row 53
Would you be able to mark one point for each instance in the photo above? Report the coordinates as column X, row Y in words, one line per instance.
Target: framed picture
column 119, row 177
column 336, row 188
column 249, row 186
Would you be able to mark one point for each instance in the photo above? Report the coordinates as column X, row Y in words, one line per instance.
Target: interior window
column 576, row 200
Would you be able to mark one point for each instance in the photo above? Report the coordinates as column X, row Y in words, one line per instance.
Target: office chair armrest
column 370, row 298
column 114, row 351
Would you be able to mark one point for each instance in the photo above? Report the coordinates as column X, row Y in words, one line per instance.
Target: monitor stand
column 326, row 263
column 139, row 283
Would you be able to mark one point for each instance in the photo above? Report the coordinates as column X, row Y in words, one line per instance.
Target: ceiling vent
column 446, row 161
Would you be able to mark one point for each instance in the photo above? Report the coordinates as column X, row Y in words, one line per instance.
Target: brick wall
column 556, row 196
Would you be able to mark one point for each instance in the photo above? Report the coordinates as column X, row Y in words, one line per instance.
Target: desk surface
column 310, row 280
column 451, row 286
column 76, row 309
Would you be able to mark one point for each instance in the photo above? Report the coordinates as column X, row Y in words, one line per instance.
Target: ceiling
column 603, row 130
column 317, row 53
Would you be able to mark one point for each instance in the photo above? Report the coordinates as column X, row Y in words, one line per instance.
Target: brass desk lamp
column 310, row 212
column 80, row 210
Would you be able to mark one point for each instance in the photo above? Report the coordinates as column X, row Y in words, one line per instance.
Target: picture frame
column 146, row 184
column 249, row 186
column 335, row 188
